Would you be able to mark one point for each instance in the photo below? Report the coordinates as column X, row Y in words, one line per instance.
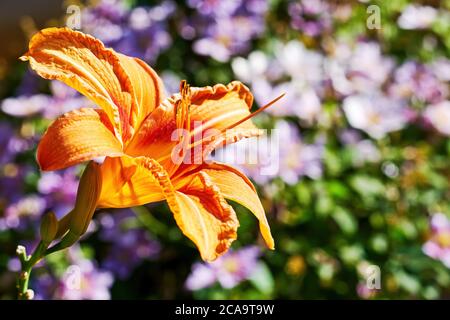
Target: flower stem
column 27, row 263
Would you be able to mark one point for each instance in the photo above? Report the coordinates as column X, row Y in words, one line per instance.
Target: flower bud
column 88, row 194
column 49, row 227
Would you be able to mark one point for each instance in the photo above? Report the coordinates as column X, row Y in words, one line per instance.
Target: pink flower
column 438, row 246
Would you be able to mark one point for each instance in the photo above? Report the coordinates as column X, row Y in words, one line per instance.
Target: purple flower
column 10, row 144
column 227, row 37
column 293, row 70
column 140, row 32
column 296, row 157
column 128, row 247
column 376, row 114
column 105, row 20
column 438, row 246
column 59, row 189
column 228, row 270
column 349, row 136
column 11, row 182
column 224, row 28
column 44, row 286
column 29, row 84
column 147, row 36
column 171, row 82
column 14, row 264
column 415, row 80
column 129, row 251
column 30, row 206
column 215, row 7
column 311, row 17
column 358, row 69
column 112, row 223
column 439, row 116
column 283, row 155
column 81, row 280
column 62, row 100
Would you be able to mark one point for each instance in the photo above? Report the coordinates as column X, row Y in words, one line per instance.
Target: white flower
column 302, row 65
column 441, row 68
column 249, row 70
column 299, row 100
column 439, row 116
column 361, row 69
column 375, row 114
column 417, row 17
column 25, row 106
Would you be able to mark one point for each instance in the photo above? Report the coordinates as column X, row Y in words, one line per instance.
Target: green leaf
column 408, row 282
column 367, row 186
column 345, row 220
column 303, row 194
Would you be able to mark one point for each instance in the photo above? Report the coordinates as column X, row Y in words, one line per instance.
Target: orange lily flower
column 132, row 131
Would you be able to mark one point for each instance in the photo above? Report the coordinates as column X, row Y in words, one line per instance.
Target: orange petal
column 129, row 182
column 234, row 185
column 83, row 62
column 220, row 106
column 228, row 137
column 154, row 138
column 199, row 209
column 212, row 110
column 75, row 137
column 205, row 217
column 148, row 90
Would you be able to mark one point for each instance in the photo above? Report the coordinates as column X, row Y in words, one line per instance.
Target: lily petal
column 200, row 211
column 75, row 137
column 154, row 138
column 129, row 182
column 212, row 111
column 205, row 217
column 148, row 90
column 101, row 74
column 235, row 186
column 220, row 106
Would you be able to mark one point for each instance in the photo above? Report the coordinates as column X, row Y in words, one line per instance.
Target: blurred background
column 359, row 207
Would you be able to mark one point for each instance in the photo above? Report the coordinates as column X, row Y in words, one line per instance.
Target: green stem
column 24, row 292
column 27, row 263
column 71, row 227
